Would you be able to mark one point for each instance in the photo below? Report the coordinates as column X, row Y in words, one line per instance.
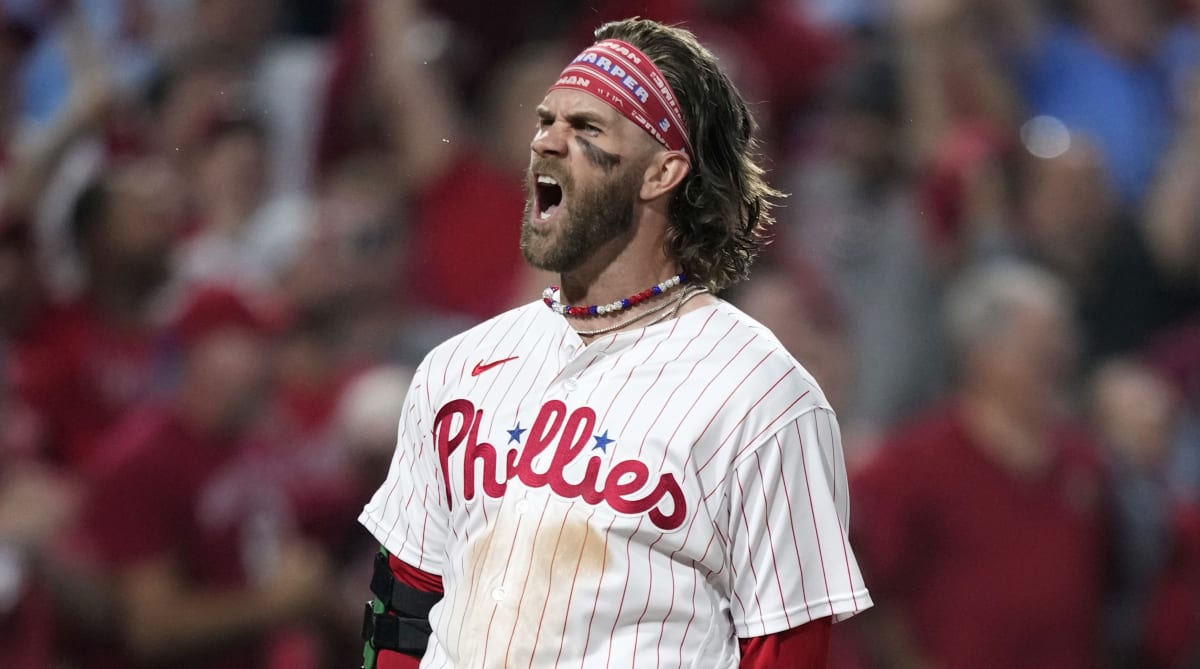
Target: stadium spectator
column 1081, row 233
column 1108, row 50
column 458, row 181
column 1171, row 629
column 855, row 213
column 194, row 535
column 1138, row 421
column 983, row 524
column 30, row 635
column 365, row 430
column 230, row 195
column 101, row 353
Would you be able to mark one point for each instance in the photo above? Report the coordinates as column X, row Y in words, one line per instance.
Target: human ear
column 666, row 170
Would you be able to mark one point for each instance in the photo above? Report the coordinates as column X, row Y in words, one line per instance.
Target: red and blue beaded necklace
column 550, row 297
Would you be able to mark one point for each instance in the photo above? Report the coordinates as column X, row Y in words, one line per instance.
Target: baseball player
column 629, row 472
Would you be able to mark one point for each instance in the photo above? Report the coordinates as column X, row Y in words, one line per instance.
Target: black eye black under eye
column 597, row 156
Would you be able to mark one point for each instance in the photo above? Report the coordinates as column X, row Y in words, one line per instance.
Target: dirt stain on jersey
column 534, row 569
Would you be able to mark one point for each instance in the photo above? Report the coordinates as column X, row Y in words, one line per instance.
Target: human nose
column 548, row 140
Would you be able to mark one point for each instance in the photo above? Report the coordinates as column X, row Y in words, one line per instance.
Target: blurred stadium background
column 230, row 229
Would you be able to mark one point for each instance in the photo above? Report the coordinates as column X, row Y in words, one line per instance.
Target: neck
column 198, row 411
column 1016, row 439
column 209, row 413
column 121, row 303
column 227, row 218
column 625, row 267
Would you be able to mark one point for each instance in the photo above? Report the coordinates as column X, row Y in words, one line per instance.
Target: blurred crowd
column 229, row 229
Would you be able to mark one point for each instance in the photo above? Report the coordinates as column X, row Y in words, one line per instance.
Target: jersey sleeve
column 409, row 514
column 790, row 558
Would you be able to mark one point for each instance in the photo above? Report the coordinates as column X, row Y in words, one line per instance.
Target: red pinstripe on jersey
column 787, row 495
column 813, row 511
column 845, row 547
column 641, row 449
column 770, row 541
column 581, row 579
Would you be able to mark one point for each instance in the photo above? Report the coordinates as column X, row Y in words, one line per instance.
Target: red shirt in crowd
column 466, row 240
column 28, row 632
column 1172, row 630
column 80, row 374
column 1176, row 356
column 985, row 568
column 167, row 491
column 221, row 509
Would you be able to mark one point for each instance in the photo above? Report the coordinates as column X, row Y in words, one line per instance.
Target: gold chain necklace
column 677, row 304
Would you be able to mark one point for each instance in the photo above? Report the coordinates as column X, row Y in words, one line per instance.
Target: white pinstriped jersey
column 641, row 501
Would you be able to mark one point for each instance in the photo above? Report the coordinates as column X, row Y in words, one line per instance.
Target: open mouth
column 549, row 196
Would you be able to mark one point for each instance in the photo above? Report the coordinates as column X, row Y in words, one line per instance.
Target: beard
column 594, row 216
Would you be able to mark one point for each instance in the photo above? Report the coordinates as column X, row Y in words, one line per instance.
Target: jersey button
column 498, row 594
column 522, row 507
column 571, row 385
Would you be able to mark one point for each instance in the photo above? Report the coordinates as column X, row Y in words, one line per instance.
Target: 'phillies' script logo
column 567, row 434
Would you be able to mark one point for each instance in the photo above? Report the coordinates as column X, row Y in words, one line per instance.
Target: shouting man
column 629, row 472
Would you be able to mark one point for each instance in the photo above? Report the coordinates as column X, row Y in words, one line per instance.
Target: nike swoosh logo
column 481, row 368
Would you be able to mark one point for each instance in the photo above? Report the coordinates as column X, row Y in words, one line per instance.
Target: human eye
column 587, row 127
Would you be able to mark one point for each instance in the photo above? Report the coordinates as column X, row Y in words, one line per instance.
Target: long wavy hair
column 720, row 212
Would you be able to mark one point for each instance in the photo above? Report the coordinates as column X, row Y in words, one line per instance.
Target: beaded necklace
column 550, row 297
column 678, row 304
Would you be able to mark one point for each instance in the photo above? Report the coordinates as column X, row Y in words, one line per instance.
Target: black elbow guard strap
column 384, row 631
column 399, row 597
column 404, row 626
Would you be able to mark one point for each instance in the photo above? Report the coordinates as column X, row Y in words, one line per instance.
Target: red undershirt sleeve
column 803, row 647
column 414, row 578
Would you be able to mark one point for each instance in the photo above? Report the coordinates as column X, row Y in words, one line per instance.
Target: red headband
column 618, row 73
